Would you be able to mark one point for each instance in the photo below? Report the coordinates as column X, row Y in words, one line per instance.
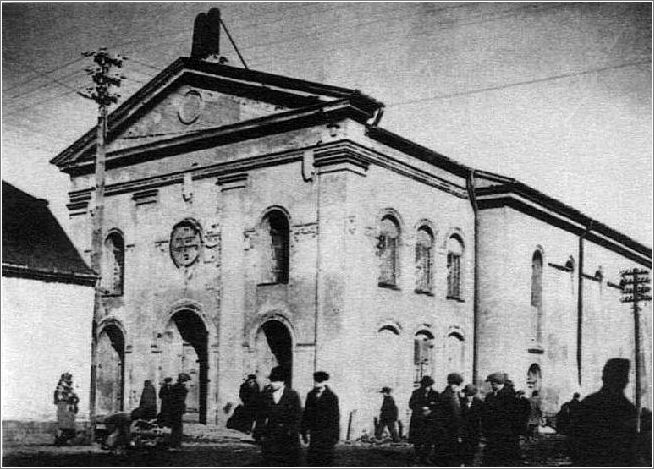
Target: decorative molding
column 232, row 181
column 538, row 349
column 145, row 197
column 78, row 208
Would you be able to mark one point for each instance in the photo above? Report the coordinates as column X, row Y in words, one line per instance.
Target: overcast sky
column 557, row 95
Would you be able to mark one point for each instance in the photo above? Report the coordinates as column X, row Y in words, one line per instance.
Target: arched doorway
column 534, row 378
column 274, row 347
column 110, row 376
column 185, row 351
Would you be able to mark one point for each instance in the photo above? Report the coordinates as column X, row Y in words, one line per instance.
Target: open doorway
column 274, row 347
column 110, row 379
column 185, row 351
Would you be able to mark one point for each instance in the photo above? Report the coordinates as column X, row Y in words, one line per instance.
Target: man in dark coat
column 422, row 404
column 449, row 424
column 500, row 424
column 603, row 432
column 178, row 394
column 320, row 422
column 564, row 417
column 471, row 411
column 148, row 402
column 388, row 416
column 249, row 394
column 164, row 394
column 278, row 423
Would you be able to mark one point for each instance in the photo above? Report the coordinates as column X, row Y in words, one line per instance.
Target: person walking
column 148, row 401
column 471, row 412
column 163, row 419
column 66, row 401
column 278, row 423
column 422, row 404
column 449, row 424
column 500, row 425
column 604, row 429
column 388, row 416
column 178, row 392
column 320, row 422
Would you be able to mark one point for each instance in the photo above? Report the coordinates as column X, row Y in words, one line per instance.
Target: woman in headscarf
column 66, row 401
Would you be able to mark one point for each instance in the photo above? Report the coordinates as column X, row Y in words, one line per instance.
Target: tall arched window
column 455, row 353
column 115, row 263
column 537, row 294
column 424, row 243
column 422, row 354
column 387, row 249
column 275, row 248
column 454, row 275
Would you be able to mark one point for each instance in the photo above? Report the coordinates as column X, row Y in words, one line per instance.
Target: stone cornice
column 21, row 271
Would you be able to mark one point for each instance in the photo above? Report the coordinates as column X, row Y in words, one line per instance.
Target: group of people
column 279, row 423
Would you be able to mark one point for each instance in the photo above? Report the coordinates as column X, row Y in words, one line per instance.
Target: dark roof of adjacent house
column 34, row 245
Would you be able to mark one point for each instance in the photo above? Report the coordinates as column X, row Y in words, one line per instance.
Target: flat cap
column 454, row 378
column 496, row 378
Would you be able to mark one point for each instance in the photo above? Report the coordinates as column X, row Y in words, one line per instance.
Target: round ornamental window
column 185, row 243
column 190, row 107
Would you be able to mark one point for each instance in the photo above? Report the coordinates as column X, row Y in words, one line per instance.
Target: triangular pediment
column 192, row 96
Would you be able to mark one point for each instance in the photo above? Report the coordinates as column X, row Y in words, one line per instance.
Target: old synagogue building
column 253, row 220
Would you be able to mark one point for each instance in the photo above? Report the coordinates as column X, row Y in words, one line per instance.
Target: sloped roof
column 34, row 245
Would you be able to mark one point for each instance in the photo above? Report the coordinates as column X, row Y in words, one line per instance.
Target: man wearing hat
column 278, row 423
column 422, row 404
column 178, row 392
column 320, row 422
column 249, row 394
column 471, row 410
column 449, row 425
column 388, row 416
column 603, row 430
column 500, row 424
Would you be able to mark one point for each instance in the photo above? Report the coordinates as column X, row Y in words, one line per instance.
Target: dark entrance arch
column 534, row 378
column 274, row 347
column 110, row 380
column 185, row 351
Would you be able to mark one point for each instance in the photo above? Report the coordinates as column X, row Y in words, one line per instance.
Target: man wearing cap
column 471, row 410
column 178, row 392
column 449, row 424
column 278, row 423
column 422, row 404
column 320, row 422
column 500, row 424
column 603, row 430
column 388, row 416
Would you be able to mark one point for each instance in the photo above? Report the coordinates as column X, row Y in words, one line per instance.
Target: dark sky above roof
column 32, row 237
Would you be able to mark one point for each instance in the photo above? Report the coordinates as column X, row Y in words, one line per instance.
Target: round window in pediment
column 191, row 107
column 185, row 243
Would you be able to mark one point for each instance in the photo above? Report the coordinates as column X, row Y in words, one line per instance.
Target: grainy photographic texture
column 326, row 233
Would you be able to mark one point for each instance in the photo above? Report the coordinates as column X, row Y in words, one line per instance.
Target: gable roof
column 34, row 245
column 294, row 93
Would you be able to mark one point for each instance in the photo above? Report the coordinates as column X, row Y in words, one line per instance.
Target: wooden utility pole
column 101, row 94
column 635, row 289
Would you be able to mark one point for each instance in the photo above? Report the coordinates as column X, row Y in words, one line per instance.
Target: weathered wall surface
column 45, row 332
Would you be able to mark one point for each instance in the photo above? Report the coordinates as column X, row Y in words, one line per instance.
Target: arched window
column 424, row 262
column 455, row 353
column 114, row 275
column 454, row 276
column 387, row 249
column 275, row 248
column 537, row 295
column 422, row 354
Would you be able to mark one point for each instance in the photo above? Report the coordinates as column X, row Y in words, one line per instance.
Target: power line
column 521, row 83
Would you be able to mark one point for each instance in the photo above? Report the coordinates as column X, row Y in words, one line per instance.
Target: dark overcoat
column 389, row 411
column 321, row 418
column 422, row 404
column 278, row 427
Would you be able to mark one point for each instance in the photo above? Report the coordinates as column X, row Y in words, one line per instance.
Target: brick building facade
column 253, row 220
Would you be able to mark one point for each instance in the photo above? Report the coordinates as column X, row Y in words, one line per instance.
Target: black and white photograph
column 326, row 234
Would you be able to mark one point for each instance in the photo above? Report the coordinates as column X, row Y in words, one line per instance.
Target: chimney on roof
column 206, row 36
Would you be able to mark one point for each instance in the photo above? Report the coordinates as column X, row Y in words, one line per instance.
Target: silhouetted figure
column 320, row 422
column 568, row 409
column 423, row 404
column 178, row 392
column 278, row 423
column 603, row 433
column 388, row 416
column 535, row 415
column 449, row 424
column 500, row 424
column 164, row 394
column 246, row 413
column 148, row 402
column 645, row 438
column 471, row 411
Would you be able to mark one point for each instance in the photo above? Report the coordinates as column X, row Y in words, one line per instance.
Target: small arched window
column 388, row 251
column 454, row 274
column 423, row 345
column 115, row 263
column 424, row 262
column 275, row 248
column 537, row 294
